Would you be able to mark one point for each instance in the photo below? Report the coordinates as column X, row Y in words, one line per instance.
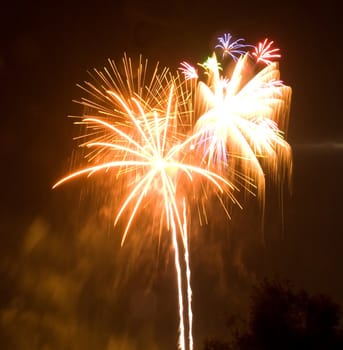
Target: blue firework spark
column 231, row 48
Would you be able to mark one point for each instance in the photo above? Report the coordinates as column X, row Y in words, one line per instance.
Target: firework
column 264, row 52
column 188, row 71
column 142, row 143
column 239, row 122
column 148, row 148
column 163, row 137
column 234, row 49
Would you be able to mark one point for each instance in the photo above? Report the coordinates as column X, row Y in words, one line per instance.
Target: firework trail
column 168, row 139
column 188, row 277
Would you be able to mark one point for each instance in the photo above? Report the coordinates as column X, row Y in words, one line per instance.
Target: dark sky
column 65, row 283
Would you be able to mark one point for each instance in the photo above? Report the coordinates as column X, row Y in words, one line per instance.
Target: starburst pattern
column 263, row 52
column 188, row 71
column 232, row 48
column 239, row 122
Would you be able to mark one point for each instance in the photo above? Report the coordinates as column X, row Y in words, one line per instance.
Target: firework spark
column 231, row 48
column 264, row 52
column 188, row 71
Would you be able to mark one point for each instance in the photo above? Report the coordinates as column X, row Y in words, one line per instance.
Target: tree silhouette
column 281, row 318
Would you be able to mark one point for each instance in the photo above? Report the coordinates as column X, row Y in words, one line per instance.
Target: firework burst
column 264, row 52
column 232, row 48
column 239, row 122
column 188, row 71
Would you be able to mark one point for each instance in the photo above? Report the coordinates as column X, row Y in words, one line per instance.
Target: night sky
column 65, row 282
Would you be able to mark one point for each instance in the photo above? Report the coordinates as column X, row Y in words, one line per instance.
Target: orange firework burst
column 141, row 140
